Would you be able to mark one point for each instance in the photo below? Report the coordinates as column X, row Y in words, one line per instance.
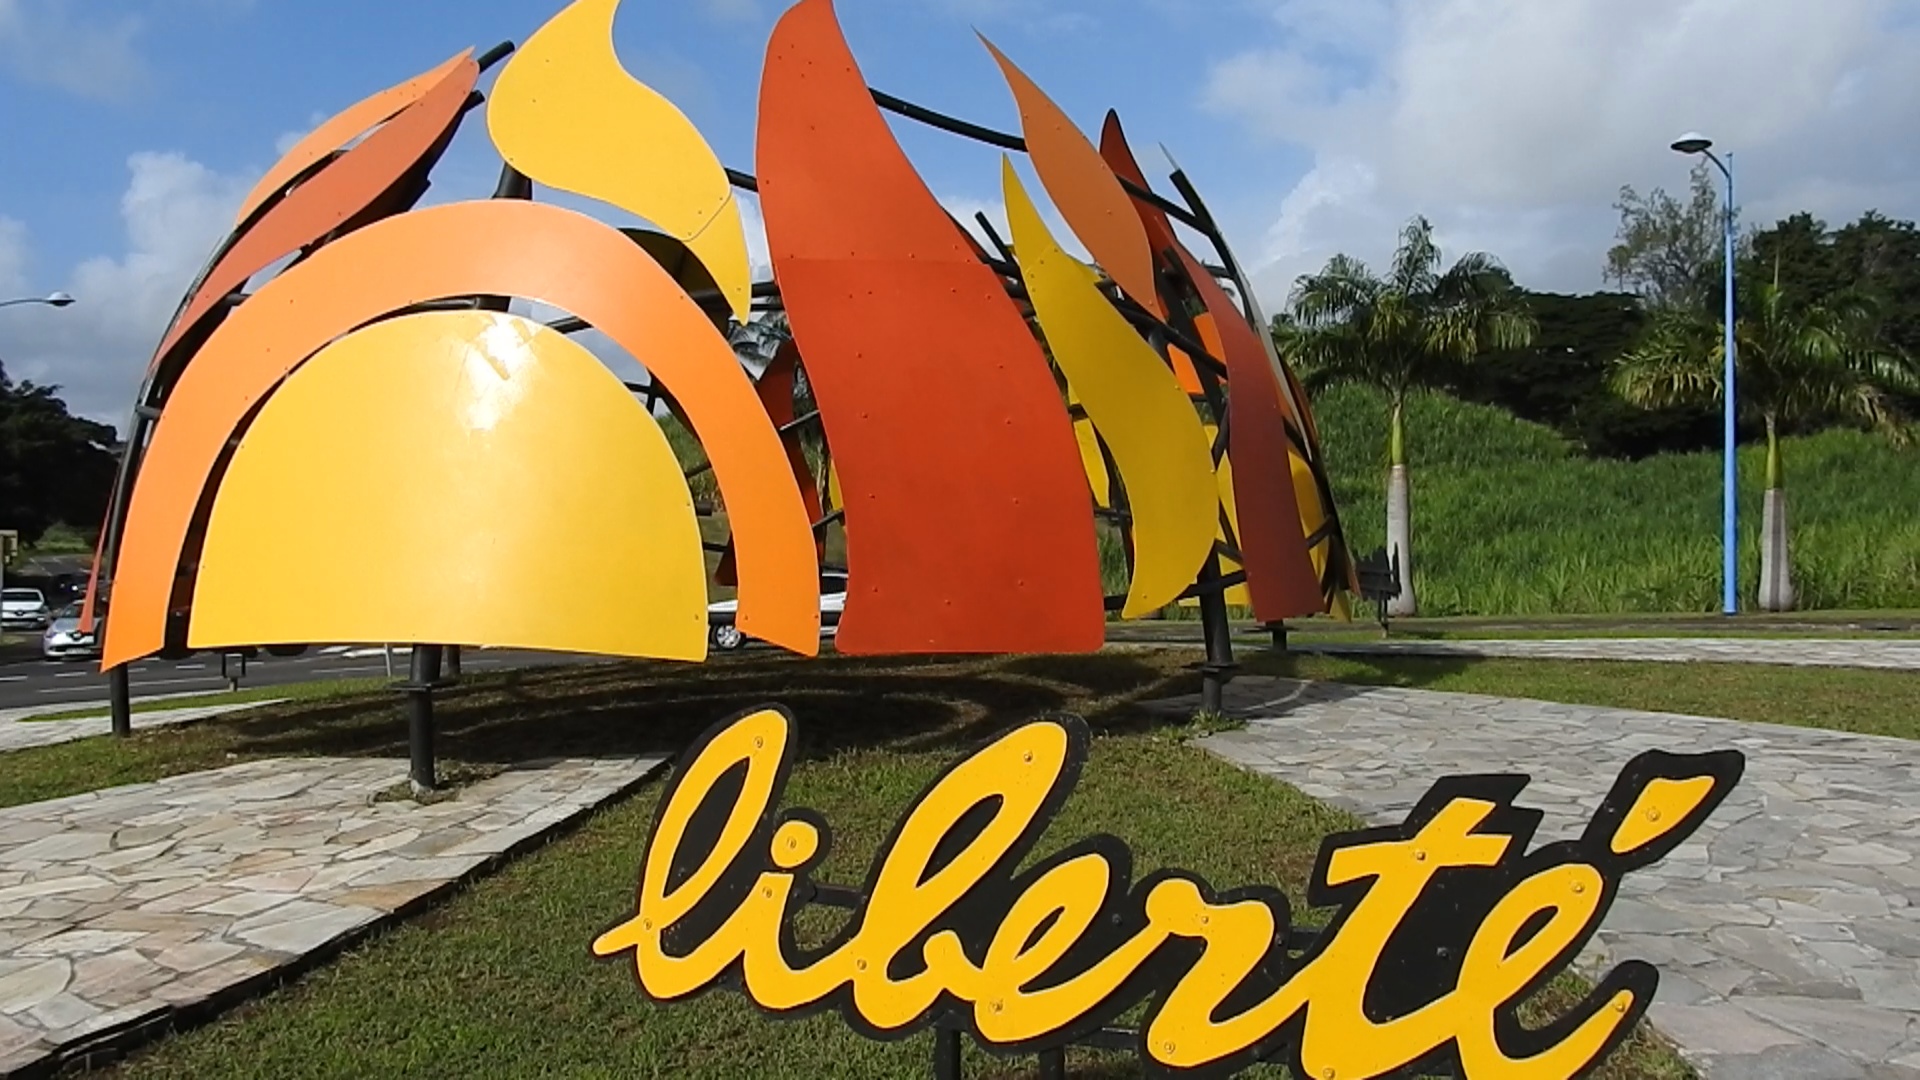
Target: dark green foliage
column 54, row 467
column 1561, row 380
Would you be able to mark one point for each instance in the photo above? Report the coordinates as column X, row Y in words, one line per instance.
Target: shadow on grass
column 632, row 709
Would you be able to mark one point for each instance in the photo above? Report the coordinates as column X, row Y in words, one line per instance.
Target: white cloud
column 56, row 43
column 175, row 211
column 1512, row 124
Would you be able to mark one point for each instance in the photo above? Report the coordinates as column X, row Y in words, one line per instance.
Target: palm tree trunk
column 1776, row 562
column 1400, row 513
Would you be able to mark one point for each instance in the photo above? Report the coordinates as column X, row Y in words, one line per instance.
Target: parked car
column 24, row 609
column 64, row 640
column 833, row 600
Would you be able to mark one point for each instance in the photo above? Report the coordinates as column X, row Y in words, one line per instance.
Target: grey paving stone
column 18, row 729
column 164, row 895
column 1800, row 652
column 1793, row 917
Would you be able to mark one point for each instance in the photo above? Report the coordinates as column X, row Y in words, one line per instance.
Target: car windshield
column 71, row 611
column 23, row 595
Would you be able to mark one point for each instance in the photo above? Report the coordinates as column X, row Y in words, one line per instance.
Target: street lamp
column 1696, row 143
column 58, row 299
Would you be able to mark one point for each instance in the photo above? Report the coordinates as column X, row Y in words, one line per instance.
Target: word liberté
column 1444, row 924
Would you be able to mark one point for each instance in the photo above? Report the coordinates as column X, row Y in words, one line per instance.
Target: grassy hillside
column 1508, row 520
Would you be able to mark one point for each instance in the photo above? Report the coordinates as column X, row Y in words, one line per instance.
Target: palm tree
column 1399, row 333
column 1795, row 363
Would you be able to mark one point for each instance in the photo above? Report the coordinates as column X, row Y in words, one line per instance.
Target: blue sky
column 131, row 127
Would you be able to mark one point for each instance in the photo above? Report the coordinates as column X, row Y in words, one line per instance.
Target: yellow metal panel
column 1091, row 457
column 1239, row 595
column 1306, row 493
column 836, row 500
column 405, row 484
column 566, row 113
column 1135, row 404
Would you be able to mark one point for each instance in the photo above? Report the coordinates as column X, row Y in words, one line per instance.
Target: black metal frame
column 430, row 663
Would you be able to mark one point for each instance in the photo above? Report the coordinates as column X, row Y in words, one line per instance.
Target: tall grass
column 1509, row 520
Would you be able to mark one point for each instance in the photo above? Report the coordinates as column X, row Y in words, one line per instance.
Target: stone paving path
column 1790, row 652
column 1787, row 931
column 126, row 912
column 19, row 734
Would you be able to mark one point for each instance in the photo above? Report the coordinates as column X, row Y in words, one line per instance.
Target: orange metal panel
column 501, row 247
column 969, row 527
column 511, row 441
column 340, row 130
column 334, row 195
column 775, row 387
column 1084, row 189
column 1279, row 572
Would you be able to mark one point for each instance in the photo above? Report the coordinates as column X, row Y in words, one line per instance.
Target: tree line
column 1827, row 330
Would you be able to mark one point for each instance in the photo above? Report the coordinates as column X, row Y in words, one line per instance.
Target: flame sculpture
column 365, row 445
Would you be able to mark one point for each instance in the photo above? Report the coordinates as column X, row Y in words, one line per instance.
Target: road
column 34, row 682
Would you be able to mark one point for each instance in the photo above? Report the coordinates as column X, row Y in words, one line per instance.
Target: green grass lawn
column 1508, row 519
column 1838, row 699
column 498, row 983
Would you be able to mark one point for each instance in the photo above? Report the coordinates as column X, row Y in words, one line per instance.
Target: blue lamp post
column 1695, row 143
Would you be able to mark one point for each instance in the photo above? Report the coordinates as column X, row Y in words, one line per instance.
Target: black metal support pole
column 419, row 688
column 1219, row 668
column 1279, row 632
column 946, row 1053
column 120, row 701
column 453, row 662
column 1053, row 1065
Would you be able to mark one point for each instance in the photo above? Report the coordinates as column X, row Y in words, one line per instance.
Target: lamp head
column 59, row 299
column 1692, row 143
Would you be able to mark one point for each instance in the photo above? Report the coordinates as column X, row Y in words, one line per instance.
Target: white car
column 833, row 600
column 24, row 609
column 63, row 639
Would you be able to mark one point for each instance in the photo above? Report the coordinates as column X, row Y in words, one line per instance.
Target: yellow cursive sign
column 1444, row 923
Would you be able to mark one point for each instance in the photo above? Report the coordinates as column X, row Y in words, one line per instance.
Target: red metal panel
column 1279, row 572
column 500, row 247
column 969, row 526
column 335, row 195
column 1272, row 536
column 1119, row 157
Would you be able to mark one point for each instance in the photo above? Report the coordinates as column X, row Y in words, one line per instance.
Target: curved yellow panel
column 1313, row 515
column 1091, row 458
column 1134, row 402
column 1239, row 595
column 836, row 500
column 400, row 484
column 566, row 113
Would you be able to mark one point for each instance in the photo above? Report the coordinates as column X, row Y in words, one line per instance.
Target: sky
column 130, row 129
